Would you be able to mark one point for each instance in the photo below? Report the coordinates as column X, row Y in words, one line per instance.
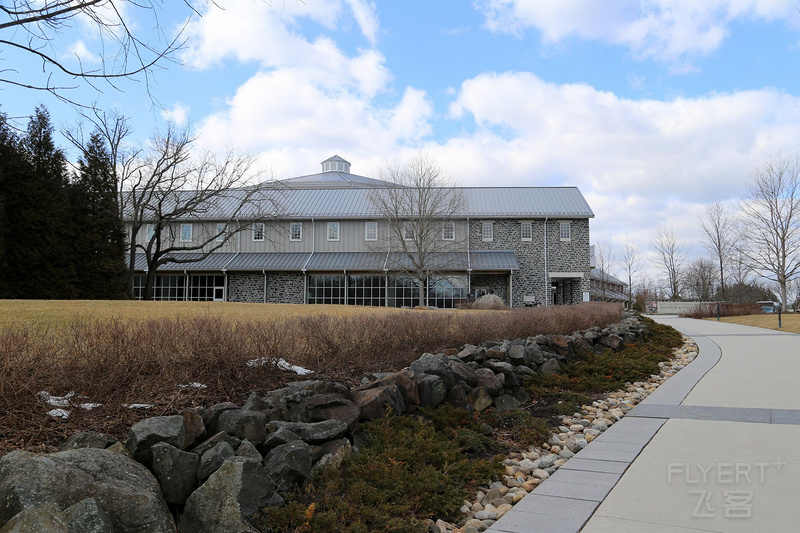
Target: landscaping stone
column 176, row 472
column 87, row 439
column 315, row 432
column 195, row 428
column 289, row 464
column 550, row 367
column 436, row 365
column 145, row 433
column 123, row 488
column 377, row 402
column 43, row 518
column 212, row 441
column 432, row 390
column 211, row 460
column 250, row 425
column 211, row 415
column 247, row 449
column 87, row 516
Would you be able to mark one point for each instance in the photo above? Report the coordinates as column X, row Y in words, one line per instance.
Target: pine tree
column 98, row 237
column 40, row 261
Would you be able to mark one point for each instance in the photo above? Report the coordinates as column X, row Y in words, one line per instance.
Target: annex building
column 330, row 245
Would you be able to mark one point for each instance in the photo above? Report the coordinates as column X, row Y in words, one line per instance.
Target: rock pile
column 525, row 471
column 216, row 467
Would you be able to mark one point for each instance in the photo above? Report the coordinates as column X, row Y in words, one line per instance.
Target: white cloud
column 366, row 16
column 179, row 114
column 78, row 52
column 666, row 30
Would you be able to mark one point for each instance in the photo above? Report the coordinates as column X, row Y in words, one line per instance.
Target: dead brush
column 116, row 362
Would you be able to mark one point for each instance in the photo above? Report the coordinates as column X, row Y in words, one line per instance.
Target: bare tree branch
column 670, row 257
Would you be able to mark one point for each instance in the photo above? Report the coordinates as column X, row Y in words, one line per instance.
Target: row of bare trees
column 757, row 240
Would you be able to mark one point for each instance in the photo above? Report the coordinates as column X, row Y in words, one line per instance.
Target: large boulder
column 215, row 507
column 490, row 381
column 289, row 464
column 377, row 402
column 463, row 371
column 215, row 439
column 432, row 390
column 87, row 516
column 44, row 518
column 250, row 425
column 145, row 433
column 211, row 415
column 213, row 459
column 405, row 381
column 436, row 365
column 123, row 488
column 176, row 472
column 87, row 439
column 325, row 407
column 195, row 427
column 315, row 432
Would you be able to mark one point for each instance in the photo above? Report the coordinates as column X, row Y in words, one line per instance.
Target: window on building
column 149, row 232
column 296, row 231
column 333, row 231
column 526, row 231
column 366, row 290
column 403, row 291
column 167, row 288
column 186, row 233
column 221, row 231
column 326, row 289
column 449, row 231
column 408, row 231
column 370, row 231
column 487, row 231
column 564, row 231
column 258, row 231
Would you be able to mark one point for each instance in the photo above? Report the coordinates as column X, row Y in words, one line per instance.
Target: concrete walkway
column 715, row 448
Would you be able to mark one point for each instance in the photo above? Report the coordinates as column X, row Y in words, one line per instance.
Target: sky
column 652, row 108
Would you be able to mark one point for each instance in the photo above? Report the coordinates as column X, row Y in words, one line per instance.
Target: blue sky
column 652, row 107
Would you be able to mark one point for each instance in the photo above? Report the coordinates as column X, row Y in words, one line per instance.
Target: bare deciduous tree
column 670, row 258
column 630, row 260
column 418, row 207
column 699, row 279
column 718, row 230
column 771, row 211
column 605, row 257
column 169, row 187
column 31, row 27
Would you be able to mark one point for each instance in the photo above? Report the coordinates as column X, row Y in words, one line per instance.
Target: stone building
column 329, row 244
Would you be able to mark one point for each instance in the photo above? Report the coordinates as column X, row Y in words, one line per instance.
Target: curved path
column 715, row 448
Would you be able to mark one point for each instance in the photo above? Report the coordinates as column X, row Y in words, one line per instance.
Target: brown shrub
column 709, row 310
column 116, row 362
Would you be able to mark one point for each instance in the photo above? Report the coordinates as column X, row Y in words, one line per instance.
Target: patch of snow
column 282, row 364
column 193, row 385
column 90, row 406
column 55, row 401
column 138, row 405
column 59, row 413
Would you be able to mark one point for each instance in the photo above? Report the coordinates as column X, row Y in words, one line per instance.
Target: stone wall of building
column 562, row 256
column 286, row 287
column 246, row 287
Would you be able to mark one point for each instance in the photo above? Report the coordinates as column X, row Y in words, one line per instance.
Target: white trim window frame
column 370, row 231
column 564, row 230
column 449, row 231
column 259, row 231
column 296, row 231
column 526, row 231
column 487, row 231
column 408, row 231
column 222, row 231
column 186, row 232
column 333, row 231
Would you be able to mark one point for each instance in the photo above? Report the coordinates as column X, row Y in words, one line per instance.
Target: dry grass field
column 790, row 321
column 50, row 313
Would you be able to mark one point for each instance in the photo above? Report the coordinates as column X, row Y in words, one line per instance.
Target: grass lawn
column 61, row 312
column 789, row 321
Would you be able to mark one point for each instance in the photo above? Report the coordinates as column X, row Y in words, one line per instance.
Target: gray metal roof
column 484, row 260
column 599, row 275
column 349, row 203
column 493, row 260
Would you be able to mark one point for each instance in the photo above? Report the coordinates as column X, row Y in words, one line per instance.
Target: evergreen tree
column 98, row 239
column 8, row 154
column 40, row 261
